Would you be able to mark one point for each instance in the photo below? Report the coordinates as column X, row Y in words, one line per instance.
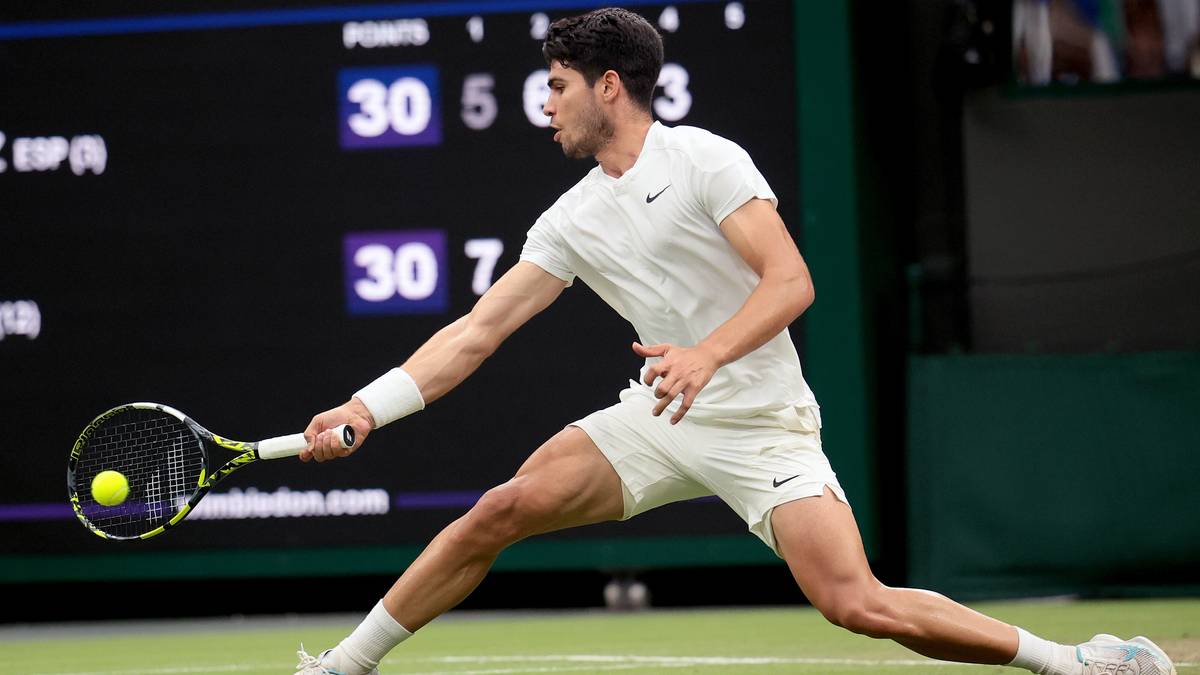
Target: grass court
column 714, row 641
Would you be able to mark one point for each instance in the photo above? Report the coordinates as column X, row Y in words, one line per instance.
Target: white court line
column 679, row 661
column 537, row 669
column 393, row 662
column 183, row 670
column 684, row 661
column 594, row 662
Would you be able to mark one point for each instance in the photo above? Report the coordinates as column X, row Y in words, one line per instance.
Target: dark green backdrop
column 1047, row 475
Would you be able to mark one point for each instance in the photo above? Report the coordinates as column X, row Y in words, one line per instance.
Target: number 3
column 372, row 119
column 678, row 100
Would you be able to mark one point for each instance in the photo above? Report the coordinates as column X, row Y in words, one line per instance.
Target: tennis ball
column 110, row 488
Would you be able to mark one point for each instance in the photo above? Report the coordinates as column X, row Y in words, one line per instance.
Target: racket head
column 158, row 449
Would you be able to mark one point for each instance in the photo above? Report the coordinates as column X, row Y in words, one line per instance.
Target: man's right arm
column 452, row 354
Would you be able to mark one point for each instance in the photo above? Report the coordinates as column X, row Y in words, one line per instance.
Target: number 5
column 478, row 103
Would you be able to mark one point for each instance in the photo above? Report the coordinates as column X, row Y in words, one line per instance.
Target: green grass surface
column 709, row 642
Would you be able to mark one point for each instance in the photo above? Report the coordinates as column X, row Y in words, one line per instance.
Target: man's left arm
column 784, row 291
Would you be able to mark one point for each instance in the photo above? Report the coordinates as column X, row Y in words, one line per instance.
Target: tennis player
column 675, row 229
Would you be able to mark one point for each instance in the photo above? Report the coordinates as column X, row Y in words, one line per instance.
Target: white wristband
column 391, row 396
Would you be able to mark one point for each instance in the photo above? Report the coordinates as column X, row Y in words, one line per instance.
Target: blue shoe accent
column 1109, row 655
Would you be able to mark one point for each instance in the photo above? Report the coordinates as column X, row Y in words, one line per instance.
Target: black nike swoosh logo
column 650, row 199
column 776, row 482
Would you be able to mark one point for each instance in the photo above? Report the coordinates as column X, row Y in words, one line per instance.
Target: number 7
column 486, row 252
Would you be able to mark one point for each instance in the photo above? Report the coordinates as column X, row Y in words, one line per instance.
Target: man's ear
column 610, row 84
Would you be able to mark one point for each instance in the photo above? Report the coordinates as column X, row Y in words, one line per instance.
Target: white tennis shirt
column 649, row 244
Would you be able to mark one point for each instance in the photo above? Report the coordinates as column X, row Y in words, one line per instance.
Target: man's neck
column 620, row 155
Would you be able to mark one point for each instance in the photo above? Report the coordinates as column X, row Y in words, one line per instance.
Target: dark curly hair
column 609, row 39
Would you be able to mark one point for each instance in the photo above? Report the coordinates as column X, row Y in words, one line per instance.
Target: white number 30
column 410, row 271
column 406, row 106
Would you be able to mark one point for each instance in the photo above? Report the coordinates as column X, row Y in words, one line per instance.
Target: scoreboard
column 249, row 214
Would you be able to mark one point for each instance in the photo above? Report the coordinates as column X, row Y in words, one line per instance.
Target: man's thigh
column 568, row 480
column 819, row 539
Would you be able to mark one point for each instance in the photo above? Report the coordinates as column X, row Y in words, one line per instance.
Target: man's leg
column 566, row 482
column 819, row 539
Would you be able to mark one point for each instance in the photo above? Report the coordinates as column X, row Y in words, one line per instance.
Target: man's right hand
column 322, row 445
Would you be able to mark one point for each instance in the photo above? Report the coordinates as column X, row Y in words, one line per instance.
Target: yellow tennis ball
column 110, row 488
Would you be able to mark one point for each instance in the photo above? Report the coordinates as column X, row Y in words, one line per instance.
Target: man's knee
column 858, row 610
column 502, row 516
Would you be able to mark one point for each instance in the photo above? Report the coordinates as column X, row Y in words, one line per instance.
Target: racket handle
column 290, row 446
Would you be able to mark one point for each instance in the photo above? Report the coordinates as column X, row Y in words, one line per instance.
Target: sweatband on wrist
column 391, row 396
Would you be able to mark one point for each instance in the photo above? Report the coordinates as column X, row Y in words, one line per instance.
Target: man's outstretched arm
column 784, row 291
column 450, row 356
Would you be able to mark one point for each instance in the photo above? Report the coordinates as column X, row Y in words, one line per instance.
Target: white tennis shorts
column 752, row 465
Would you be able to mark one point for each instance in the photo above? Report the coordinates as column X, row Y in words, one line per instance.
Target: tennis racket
column 165, row 456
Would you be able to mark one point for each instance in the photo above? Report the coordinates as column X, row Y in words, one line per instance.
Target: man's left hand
column 684, row 370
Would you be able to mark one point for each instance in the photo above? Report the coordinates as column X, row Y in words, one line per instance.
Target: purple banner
column 396, row 272
column 403, row 501
column 390, row 106
column 33, row 512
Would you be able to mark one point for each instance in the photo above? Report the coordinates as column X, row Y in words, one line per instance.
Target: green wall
column 837, row 331
column 1042, row 475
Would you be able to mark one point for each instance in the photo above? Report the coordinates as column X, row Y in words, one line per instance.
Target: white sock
column 363, row 649
column 1044, row 657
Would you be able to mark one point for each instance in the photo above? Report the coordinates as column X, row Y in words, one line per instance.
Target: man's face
column 573, row 108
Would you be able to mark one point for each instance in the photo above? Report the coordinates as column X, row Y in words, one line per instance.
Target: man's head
column 599, row 62
column 609, row 39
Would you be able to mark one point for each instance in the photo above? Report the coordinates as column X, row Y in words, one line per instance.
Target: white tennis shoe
column 311, row 665
column 1110, row 655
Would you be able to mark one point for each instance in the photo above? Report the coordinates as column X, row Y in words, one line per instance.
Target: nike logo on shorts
column 776, row 482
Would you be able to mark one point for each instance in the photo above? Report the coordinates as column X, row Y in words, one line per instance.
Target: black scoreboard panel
column 250, row 214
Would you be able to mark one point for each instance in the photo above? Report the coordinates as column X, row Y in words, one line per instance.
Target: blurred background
column 249, row 209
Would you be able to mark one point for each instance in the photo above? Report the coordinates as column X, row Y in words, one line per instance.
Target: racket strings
column 160, row 457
